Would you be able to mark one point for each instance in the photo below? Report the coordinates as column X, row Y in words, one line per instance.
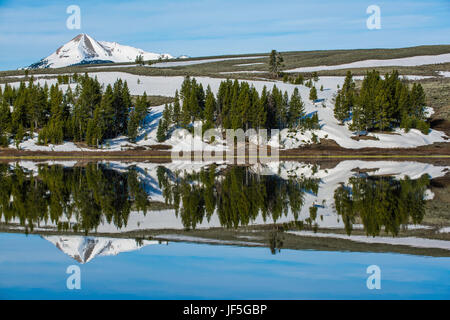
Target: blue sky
column 31, row 30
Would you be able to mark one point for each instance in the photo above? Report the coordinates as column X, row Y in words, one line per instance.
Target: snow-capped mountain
column 84, row 49
column 84, row 249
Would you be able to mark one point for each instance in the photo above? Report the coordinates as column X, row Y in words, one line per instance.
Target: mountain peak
column 83, row 49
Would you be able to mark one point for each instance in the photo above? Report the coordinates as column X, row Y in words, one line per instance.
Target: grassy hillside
column 292, row 59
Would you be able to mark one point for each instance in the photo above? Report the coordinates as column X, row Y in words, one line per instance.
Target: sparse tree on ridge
column 275, row 63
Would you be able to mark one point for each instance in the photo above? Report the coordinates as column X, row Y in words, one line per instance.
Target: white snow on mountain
column 84, row 249
column 84, row 49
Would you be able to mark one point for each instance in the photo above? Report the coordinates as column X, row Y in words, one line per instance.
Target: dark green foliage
column 345, row 99
column 88, row 114
column 89, row 195
column 382, row 104
column 239, row 196
column 137, row 116
column 275, row 63
column 381, row 202
column 315, row 77
column 161, row 133
column 210, row 109
column 19, row 135
column 296, row 109
column 237, row 106
column 139, row 60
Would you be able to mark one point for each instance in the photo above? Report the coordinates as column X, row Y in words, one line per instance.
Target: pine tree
column 210, row 109
column 141, row 108
column 108, row 112
column 122, row 112
column 345, row 99
column 382, row 114
column 177, row 110
column 185, row 114
column 133, row 126
column 299, row 79
column 313, row 94
column 296, row 109
column 275, row 63
column 283, row 111
column 261, row 111
column 161, row 133
column 139, row 60
column 167, row 115
column 19, row 135
column 5, row 116
column 417, row 101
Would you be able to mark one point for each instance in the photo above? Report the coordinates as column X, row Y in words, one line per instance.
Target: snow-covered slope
column 84, row 49
column 405, row 62
column 166, row 86
column 84, row 249
column 330, row 179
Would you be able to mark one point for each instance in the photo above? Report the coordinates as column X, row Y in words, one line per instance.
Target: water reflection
column 238, row 195
column 115, row 197
column 381, row 202
column 72, row 198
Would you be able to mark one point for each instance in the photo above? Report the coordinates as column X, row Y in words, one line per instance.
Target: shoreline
column 327, row 150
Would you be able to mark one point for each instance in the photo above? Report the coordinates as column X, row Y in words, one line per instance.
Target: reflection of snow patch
column 429, row 195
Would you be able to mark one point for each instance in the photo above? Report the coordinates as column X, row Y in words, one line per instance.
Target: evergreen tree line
column 237, row 105
column 381, row 202
column 88, row 113
column 381, row 104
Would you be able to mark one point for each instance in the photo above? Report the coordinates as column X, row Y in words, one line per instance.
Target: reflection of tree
column 238, row 195
column 56, row 194
column 275, row 242
column 381, row 202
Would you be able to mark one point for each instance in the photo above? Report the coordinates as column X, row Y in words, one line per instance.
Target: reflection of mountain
column 84, row 249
